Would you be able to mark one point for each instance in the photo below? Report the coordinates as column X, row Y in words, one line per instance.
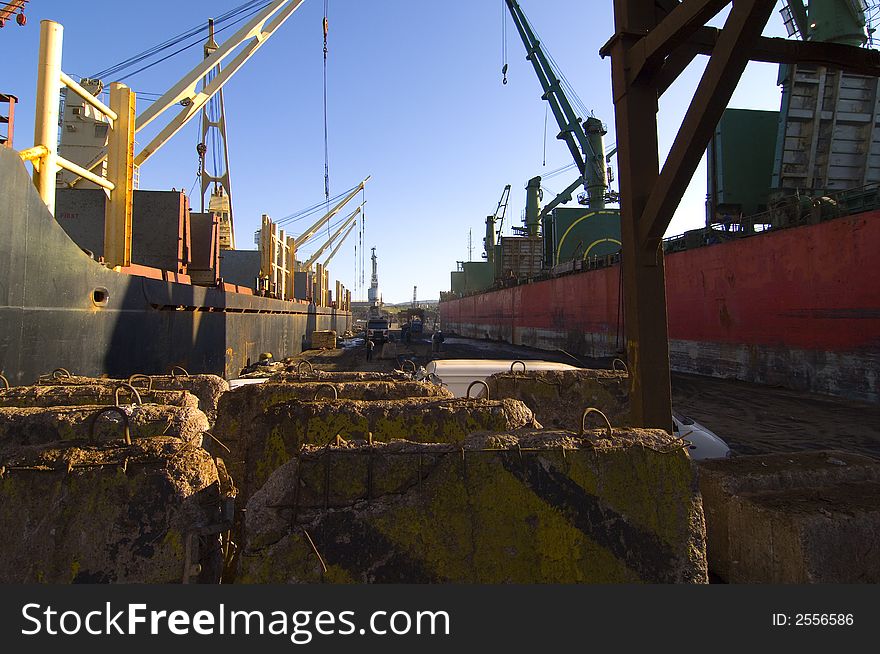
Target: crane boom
column 562, row 198
column 184, row 93
column 306, row 235
column 339, row 245
column 348, row 221
column 584, row 141
column 502, row 209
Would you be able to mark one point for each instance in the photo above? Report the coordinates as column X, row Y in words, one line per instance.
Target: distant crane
column 373, row 294
column 492, row 236
column 583, row 138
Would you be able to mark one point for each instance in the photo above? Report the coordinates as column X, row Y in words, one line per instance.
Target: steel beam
column 120, row 172
column 682, row 21
column 645, row 60
column 726, row 65
column 852, row 59
column 638, row 162
column 46, row 110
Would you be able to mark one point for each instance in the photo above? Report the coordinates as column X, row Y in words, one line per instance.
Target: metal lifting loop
column 61, row 373
column 175, row 369
column 522, row 363
column 135, row 395
column 475, row 383
column 604, row 417
column 410, row 362
column 622, row 363
column 5, row 382
column 138, row 377
column 109, row 409
column 331, row 387
column 304, row 363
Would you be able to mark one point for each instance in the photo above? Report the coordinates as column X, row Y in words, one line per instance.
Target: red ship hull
column 796, row 307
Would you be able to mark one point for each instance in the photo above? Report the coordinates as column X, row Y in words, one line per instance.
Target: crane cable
column 503, row 43
column 326, row 25
column 236, row 15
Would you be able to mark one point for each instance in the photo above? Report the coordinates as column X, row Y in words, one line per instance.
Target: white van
column 458, row 374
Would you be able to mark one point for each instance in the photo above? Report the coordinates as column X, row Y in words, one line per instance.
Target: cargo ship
column 780, row 287
column 100, row 278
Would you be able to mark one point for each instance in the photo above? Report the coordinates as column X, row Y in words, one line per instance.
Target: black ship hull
column 61, row 309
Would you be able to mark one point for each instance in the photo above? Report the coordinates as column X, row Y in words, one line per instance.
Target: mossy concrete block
column 516, row 507
column 277, row 435
column 298, row 371
column 90, row 394
column 559, row 397
column 825, row 535
column 86, row 514
column 239, row 408
column 723, row 481
column 305, row 375
column 207, row 388
column 40, row 425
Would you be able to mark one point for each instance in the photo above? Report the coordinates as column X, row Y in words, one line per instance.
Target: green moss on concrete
column 495, row 530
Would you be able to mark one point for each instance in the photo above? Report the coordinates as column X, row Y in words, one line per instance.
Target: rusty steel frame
column 654, row 41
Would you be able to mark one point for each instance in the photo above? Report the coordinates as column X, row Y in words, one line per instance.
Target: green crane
column 835, row 21
column 583, row 138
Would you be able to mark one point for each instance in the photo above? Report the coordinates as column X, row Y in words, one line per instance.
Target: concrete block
column 207, row 388
column 324, row 340
column 826, row 535
column 40, row 425
column 723, row 482
column 92, row 394
column 278, row 434
column 86, row 514
column 530, row 507
column 559, row 397
column 239, row 408
column 291, row 375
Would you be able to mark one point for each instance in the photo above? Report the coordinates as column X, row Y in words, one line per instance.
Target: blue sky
column 415, row 100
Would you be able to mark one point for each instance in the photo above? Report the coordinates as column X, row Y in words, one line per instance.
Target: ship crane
column 583, row 138
column 311, row 231
column 348, row 223
column 185, row 94
column 339, row 245
column 492, row 236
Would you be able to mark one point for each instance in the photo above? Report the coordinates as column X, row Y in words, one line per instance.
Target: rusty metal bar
column 682, row 21
column 638, row 165
column 9, row 119
column 774, row 50
column 726, row 65
column 654, row 41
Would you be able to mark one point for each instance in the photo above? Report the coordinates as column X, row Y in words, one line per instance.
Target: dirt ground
column 751, row 418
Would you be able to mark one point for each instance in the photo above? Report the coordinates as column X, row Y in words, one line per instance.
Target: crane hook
column 504, row 74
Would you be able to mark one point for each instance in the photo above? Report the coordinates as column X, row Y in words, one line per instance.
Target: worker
column 370, row 345
column 436, row 340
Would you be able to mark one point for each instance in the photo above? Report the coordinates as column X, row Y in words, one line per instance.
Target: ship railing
column 120, row 151
column 800, row 207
